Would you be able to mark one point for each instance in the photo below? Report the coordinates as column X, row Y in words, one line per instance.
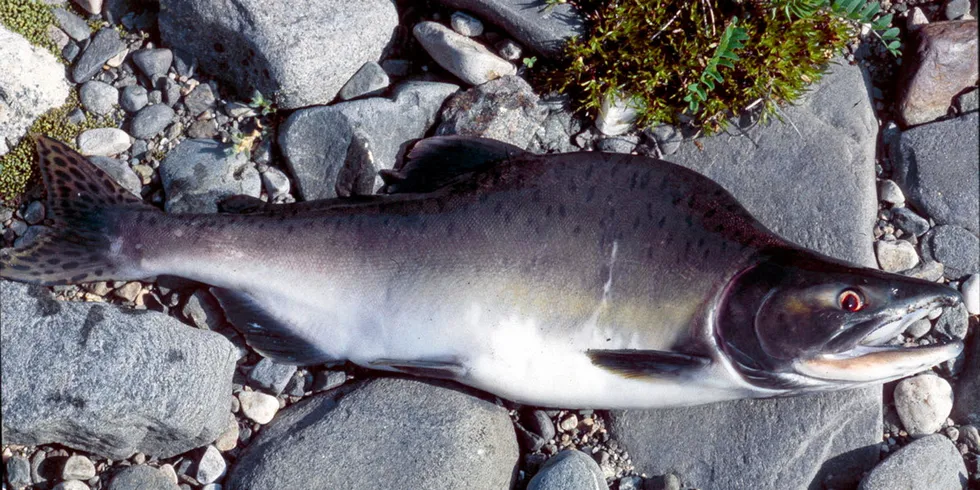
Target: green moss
column 17, row 166
column 30, row 18
column 658, row 51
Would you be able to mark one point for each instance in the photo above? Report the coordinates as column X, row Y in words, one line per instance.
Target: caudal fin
column 84, row 207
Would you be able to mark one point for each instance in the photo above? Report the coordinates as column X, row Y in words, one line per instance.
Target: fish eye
column 851, row 300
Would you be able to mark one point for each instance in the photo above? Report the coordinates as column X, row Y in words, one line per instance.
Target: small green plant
column 700, row 62
column 724, row 55
column 529, row 62
column 260, row 103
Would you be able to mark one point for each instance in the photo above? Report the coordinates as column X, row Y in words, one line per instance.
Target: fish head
column 798, row 321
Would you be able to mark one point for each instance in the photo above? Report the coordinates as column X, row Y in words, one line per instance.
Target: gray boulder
column 357, row 138
column 816, row 188
column 280, row 52
column 541, row 27
column 142, row 477
column 37, row 85
column 569, row 470
column 198, row 173
column 109, row 381
column 930, row 463
column 504, row 109
column 397, row 433
column 954, row 247
column 937, row 166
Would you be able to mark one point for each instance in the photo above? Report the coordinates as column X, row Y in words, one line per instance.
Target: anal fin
column 270, row 336
column 633, row 363
column 448, row 368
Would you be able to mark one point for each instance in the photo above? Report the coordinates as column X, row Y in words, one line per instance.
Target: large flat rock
column 106, row 380
column 387, row 433
column 300, row 52
column 811, row 180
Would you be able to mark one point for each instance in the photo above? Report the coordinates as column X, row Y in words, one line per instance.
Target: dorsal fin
column 437, row 161
column 84, row 203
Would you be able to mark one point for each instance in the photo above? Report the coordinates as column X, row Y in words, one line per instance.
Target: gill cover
column 797, row 319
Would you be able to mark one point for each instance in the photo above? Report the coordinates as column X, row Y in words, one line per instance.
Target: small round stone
column 133, row 98
column 275, row 182
column 258, row 407
column 103, row 142
column 228, row 439
column 569, row 423
column 509, row 50
column 71, row 485
column 98, row 97
column 896, row 256
column 211, row 466
column 151, row 121
column 971, row 294
column 923, row 402
column 34, row 213
column 466, row 24
column 78, row 467
column 891, row 193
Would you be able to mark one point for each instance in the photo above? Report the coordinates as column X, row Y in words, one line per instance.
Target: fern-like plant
column 862, row 12
column 731, row 39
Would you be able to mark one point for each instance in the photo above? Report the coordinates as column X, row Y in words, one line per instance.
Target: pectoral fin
column 633, row 363
column 270, row 336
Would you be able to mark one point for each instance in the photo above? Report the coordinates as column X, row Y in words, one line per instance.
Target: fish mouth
column 871, row 358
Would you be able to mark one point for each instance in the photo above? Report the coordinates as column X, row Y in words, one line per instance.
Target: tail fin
column 84, row 204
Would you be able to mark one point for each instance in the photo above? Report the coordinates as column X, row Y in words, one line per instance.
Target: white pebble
column 229, row 438
column 211, row 467
column 923, row 402
column 78, row 467
column 466, row 25
column 71, row 485
column 891, row 193
column 896, row 256
column 971, row 294
column 258, row 407
column 916, row 19
column 169, row 471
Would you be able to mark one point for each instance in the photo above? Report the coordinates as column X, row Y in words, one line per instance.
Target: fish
column 578, row 280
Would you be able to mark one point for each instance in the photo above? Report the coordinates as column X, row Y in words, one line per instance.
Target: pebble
column 540, row 423
column 98, row 97
column 228, row 439
column 467, row 59
column 30, row 234
column 238, row 109
column 199, row 100
column 78, row 467
column 906, row 220
column 58, row 37
column 134, row 98
column 258, row 407
column 668, row 138
column 153, row 62
column 916, row 19
column 211, row 466
column 891, row 193
column 509, row 50
column 18, row 472
column 129, row 291
column 569, row 423
column 275, row 182
column 896, row 256
column 203, row 129
column 569, row 469
column 169, row 471
column 70, row 51
column 369, row 80
column 18, row 227
column 73, row 25
column 923, row 403
column 34, row 213
column 929, row 270
column 954, row 322
column 103, row 142
column 142, row 477
column 71, row 485
column 328, row 380
column 151, row 121
column 619, row 144
column 971, row 294
column 270, row 376
column 956, row 9
column 466, row 24
column 104, row 45
column 630, row 483
column 918, row 328
column 93, row 7
column 970, row 435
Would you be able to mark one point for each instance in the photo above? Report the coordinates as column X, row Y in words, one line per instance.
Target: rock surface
column 280, row 52
column 505, row 109
column 954, row 247
column 569, row 470
column 98, row 362
column 98, row 97
column 943, row 64
column 930, row 463
column 398, row 433
column 937, row 166
column 37, row 85
column 771, row 178
column 371, row 133
column 151, row 121
column 467, row 59
column 198, row 173
column 543, row 28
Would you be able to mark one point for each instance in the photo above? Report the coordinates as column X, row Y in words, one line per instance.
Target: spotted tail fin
column 84, row 208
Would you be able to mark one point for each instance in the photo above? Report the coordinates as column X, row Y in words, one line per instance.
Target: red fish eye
column 851, row 300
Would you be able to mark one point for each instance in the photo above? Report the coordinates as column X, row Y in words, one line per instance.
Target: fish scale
column 584, row 280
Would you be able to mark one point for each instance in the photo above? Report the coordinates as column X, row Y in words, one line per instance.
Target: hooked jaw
column 867, row 357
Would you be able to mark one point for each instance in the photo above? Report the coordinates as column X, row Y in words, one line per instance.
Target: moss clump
column 29, row 18
column 661, row 51
column 17, row 166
